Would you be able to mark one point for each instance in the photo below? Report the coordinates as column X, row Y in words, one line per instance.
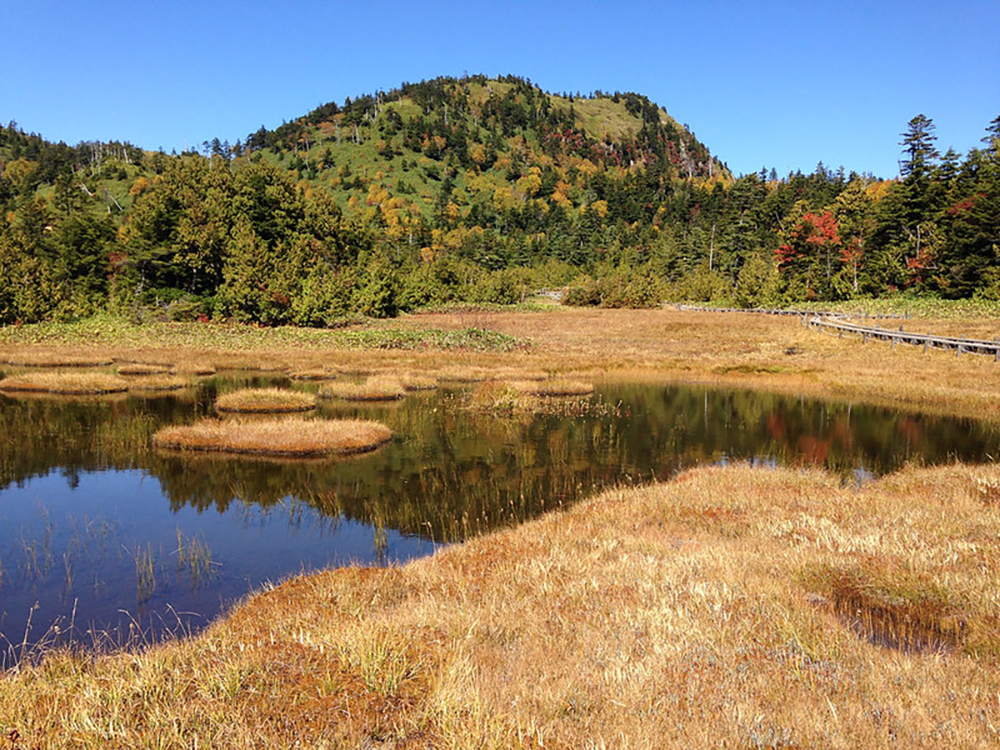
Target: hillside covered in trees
column 475, row 190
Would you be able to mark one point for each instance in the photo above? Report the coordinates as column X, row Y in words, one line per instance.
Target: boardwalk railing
column 926, row 340
column 799, row 313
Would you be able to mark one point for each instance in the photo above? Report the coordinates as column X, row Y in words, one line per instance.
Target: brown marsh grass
column 376, row 388
column 283, row 437
column 458, row 374
column 695, row 613
column 553, row 388
column 56, row 359
column 68, row 383
column 756, row 351
column 265, row 401
column 138, row 369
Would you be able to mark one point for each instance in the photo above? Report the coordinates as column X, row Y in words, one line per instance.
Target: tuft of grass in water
column 194, row 557
column 286, row 438
column 265, row 401
column 553, row 388
column 65, row 383
column 145, row 573
column 376, row 388
column 135, row 369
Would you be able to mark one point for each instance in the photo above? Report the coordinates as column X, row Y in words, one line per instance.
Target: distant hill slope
column 475, row 190
column 460, row 141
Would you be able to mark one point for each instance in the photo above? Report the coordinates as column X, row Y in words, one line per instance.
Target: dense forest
column 476, row 190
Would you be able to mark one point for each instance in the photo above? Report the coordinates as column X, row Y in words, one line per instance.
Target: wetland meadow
column 560, row 528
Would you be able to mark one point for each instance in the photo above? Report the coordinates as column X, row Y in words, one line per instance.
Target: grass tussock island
column 65, row 383
column 55, row 360
column 292, row 437
column 558, row 387
column 730, row 607
column 377, row 388
column 140, row 369
column 265, row 401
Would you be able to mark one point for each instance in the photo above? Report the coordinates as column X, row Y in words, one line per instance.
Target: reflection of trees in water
column 452, row 472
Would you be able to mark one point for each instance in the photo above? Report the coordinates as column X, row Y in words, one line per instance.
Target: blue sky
column 763, row 84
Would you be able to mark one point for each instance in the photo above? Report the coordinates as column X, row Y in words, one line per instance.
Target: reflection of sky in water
column 72, row 543
column 76, row 514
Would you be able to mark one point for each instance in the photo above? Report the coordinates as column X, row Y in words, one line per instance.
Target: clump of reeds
column 376, row 388
column 65, row 383
column 553, row 388
column 265, row 401
column 293, row 437
column 139, row 369
column 499, row 396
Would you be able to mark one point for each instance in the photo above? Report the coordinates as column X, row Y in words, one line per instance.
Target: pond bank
column 693, row 612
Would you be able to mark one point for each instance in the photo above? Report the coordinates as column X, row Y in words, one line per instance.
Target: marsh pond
column 105, row 541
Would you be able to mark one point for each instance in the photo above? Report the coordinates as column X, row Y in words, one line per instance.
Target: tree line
column 479, row 191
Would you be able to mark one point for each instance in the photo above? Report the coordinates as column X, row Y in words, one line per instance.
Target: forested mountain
column 475, row 190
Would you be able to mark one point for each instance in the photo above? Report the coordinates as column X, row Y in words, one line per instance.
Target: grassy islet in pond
column 265, row 401
column 373, row 389
column 139, row 369
column 286, row 438
column 553, row 388
column 64, row 383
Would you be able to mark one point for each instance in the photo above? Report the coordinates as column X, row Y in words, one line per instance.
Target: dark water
column 103, row 540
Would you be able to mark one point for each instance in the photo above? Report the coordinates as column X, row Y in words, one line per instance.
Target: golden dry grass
column 376, row 388
column 138, row 369
column 697, row 613
column 730, row 607
column 43, row 358
column 459, row 374
column 265, row 401
column 287, row 438
column 69, row 383
column 553, row 388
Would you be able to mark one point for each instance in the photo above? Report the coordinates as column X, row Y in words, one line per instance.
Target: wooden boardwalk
column 926, row 340
column 840, row 324
column 798, row 313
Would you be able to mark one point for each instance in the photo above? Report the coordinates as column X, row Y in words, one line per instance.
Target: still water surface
column 103, row 540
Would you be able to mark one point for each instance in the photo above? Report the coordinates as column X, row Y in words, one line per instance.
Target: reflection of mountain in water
column 105, row 545
column 452, row 472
